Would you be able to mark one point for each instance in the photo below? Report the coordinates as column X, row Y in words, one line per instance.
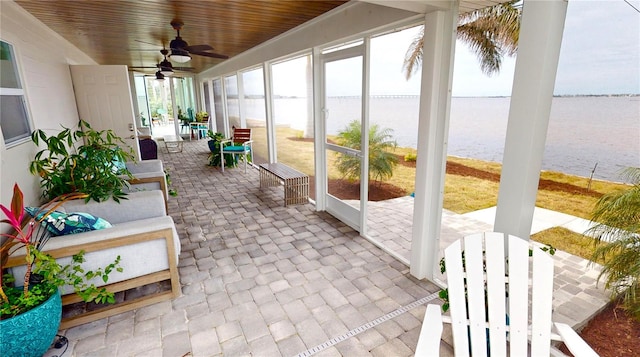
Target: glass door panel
column 256, row 117
column 218, row 106
column 342, row 122
column 233, row 108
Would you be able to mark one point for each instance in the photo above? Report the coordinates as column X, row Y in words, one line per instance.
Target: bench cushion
column 235, row 148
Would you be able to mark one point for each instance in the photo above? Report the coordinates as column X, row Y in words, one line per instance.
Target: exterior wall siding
column 43, row 58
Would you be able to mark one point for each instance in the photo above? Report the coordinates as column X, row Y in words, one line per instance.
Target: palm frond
column 484, row 47
column 490, row 32
column 413, row 56
column 616, row 230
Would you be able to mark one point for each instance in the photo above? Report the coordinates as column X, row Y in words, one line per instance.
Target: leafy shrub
column 214, row 156
column 381, row 160
column 617, row 241
column 410, row 157
column 81, row 161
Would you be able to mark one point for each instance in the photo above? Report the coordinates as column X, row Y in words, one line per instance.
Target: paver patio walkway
column 260, row 279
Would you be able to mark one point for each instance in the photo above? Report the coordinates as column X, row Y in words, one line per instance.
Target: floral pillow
column 60, row 223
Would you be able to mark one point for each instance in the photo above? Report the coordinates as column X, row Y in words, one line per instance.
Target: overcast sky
column 600, row 54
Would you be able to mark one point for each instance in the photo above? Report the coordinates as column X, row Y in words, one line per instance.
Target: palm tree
column 381, row 160
column 617, row 233
column 491, row 33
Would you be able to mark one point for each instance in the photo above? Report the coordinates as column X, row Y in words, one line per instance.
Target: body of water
column 583, row 131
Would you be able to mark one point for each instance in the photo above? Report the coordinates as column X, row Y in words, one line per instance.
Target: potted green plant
column 30, row 308
column 214, row 146
column 81, row 161
column 202, row 116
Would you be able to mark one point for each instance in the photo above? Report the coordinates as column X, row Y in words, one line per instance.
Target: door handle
column 325, row 111
column 352, row 152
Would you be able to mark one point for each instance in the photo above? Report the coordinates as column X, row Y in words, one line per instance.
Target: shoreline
column 541, row 171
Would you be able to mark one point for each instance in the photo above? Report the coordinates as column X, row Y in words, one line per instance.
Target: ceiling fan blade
column 189, row 69
column 144, row 67
column 141, row 50
column 198, row 48
column 183, row 48
column 210, row 54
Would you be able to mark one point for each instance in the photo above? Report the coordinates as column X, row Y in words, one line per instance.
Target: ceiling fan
column 181, row 51
column 166, row 68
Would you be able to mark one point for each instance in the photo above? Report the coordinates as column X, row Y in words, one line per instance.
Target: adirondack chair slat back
column 478, row 287
column 240, row 135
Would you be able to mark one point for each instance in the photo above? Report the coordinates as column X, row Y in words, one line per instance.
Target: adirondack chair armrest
column 222, row 142
column 573, row 341
column 430, row 333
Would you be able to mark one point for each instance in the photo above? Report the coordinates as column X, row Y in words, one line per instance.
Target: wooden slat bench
column 296, row 184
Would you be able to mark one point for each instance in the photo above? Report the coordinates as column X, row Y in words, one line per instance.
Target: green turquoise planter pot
column 31, row 333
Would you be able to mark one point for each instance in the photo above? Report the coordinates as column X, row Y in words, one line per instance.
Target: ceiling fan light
column 159, row 76
column 180, row 56
column 166, row 71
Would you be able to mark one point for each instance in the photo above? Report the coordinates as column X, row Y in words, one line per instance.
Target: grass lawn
column 568, row 241
column 558, row 192
column 462, row 193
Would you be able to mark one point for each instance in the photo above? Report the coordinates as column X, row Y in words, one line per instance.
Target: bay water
column 583, row 131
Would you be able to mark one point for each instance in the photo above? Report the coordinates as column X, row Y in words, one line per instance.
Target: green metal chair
column 240, row 145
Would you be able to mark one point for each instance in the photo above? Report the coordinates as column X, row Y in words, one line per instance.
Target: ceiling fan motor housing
column 178, row 44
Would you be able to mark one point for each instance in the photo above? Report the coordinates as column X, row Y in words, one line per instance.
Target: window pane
column 207, row 99
column 254, row 107
column 184, row 98
column 217, row 105
column 233, row 111
column 8, row 69
column 292, row 92
column 13, row 118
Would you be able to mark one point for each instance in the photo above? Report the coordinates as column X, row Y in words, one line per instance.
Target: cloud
column 600, row 51
column 600, row 54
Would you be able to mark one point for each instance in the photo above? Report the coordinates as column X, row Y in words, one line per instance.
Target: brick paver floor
column 263, row 280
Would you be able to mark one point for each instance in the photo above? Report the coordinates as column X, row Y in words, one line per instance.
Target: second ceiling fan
column 181, row 51
column 165, row 67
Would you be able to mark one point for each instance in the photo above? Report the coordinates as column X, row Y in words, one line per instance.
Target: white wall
column 44, row 58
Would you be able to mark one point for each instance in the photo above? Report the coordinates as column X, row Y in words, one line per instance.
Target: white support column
column 241, row 101
column 268, row 101
column 319, row 132
column 174, row 107
column 308, row 131
column 433, row 129
column 364, row 136
column 212, row 104
column 535, row 73
column 225, row 110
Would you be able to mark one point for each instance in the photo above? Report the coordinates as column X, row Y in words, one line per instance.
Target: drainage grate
column 368, row 325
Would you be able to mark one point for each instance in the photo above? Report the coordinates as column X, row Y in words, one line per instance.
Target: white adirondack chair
column 525, row 335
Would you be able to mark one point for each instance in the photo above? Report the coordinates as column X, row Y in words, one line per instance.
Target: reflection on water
column 582, row 131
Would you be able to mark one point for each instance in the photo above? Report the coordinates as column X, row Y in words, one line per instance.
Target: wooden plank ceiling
column 134, row 32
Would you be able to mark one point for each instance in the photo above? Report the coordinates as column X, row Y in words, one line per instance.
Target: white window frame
column 20, row 92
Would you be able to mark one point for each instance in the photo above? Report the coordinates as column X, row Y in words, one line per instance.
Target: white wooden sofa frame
column 170, row 274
